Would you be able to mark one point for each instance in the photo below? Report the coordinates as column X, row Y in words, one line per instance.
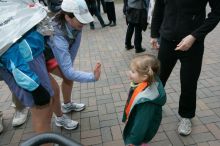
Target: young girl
column 143, row 109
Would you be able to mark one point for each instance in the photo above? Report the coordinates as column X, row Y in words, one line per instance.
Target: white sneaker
column 185, row 127
column 72, row 106
column 66, row 122
column 13, row 105
column 20, row 117
column 1, row 123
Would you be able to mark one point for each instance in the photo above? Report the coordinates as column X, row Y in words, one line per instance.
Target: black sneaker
column 140, row 50
column 129, row 47
column 92, row 27
column 113, row 24
column 104, row 25
column 110, row 22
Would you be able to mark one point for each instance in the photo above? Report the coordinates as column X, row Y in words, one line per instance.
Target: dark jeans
column 191, row 62
column 110, row 10
column 99, row 2
column 94, row 11
column 137, row 38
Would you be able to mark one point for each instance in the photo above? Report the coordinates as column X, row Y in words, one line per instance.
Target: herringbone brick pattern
column 100, row 122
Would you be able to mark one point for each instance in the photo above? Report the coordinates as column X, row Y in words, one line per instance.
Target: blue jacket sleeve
column 65, row 58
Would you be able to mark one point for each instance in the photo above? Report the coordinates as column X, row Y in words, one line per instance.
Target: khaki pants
column 1, row 114
column 18, row 105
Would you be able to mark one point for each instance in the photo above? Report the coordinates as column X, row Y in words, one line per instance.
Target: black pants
column 191, row 62
column 99, row 2
column 110, row 10
column 137, row 38
column 94, row 11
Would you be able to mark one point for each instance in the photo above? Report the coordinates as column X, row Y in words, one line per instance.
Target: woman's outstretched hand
column 97, row 71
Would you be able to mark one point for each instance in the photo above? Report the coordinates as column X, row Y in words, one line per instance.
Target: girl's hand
column 186, row 43
column 154, row 43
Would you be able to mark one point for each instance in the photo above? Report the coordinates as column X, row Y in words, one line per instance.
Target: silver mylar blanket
column 16, row 18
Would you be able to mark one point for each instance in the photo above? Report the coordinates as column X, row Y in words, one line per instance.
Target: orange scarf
column 137, row 90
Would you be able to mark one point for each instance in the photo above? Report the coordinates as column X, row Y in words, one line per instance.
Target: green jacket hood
column 154, row 93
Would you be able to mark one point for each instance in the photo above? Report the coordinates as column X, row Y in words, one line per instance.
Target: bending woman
column 65, row 42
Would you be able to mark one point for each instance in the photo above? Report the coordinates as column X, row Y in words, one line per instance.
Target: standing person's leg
column 21, row 112
column 129, row 34
column 99, row 5
column 138, row 39
column 56, row 105
column 92, row 26
column 18, row 105
column 189, row 75
column 69, row 105
column 61, row 120
column 108, row 12
column 103, row 6
column 91, row 10
column 112, row 13
column 1, row 122
column 191, row 63
column 41, row 119
column 98, row 15
column 66, row 87
column 41, row 123
column 168, row 59
column 124, row 7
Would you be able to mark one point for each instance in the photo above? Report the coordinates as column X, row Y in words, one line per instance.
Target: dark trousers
column 191, row 62
column 110, row 10
column 94, row 11
column 137, row 37
column 99, row 2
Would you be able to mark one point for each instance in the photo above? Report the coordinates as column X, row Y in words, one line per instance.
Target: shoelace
column 185, row 123
column 66, row 118
column 18, row 114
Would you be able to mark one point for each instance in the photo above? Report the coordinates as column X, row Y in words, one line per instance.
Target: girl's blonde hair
column 146, row 65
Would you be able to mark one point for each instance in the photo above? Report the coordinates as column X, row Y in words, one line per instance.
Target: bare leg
column 60, row 119
column 66, row 85
column 41, row 119
column 56, row 105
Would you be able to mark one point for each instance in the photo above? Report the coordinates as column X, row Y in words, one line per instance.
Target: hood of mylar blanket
column 16, row 18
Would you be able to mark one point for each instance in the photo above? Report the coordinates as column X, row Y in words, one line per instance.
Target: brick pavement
column 100, row 123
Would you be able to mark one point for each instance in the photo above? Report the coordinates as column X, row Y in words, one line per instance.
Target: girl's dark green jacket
column 145, row 114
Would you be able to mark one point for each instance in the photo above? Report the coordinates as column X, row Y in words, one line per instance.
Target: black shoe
column 110, row 22
column 113, row 24
column 129, row 47
column 92, row 27
column 104, row 25
column 140, row 50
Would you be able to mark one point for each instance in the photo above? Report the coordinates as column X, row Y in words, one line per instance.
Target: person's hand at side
column 97, row 71
column 154, row 43
column 186, row 43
